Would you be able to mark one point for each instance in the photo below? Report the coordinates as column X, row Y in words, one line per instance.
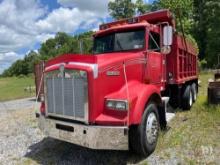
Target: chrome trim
column 93, row 66
column 54, row 74
column 63, row 91
column 90, row 136
column 49, row 67
column 67, row 117
column 73, row 97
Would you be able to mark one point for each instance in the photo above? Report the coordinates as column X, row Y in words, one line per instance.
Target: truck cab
column 115, row 97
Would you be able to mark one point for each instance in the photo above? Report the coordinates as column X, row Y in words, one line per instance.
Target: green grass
column 194, row 136
column 13, row 88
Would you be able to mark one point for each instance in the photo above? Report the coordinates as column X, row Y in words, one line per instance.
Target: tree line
column 61, row 44
column 199, row 19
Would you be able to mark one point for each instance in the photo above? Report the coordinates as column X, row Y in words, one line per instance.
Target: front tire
column 144, row 137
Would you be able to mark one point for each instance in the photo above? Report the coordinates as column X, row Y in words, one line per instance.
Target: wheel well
column 191, row 82
column 161, row 110
column 155, row 98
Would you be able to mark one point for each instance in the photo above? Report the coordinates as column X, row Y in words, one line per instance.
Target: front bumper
column 95, row 137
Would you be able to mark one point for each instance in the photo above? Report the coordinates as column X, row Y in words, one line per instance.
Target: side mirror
column 167, row 35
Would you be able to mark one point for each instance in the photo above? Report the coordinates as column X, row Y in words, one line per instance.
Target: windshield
column 119, row 41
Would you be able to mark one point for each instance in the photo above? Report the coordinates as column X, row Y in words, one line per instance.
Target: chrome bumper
column 95, row 137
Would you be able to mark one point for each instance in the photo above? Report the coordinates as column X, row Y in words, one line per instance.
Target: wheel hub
column 152, row 128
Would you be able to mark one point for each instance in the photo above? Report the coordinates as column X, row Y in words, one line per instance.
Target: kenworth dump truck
column 116, row 98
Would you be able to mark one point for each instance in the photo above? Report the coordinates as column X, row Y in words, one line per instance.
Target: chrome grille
column 67, row 96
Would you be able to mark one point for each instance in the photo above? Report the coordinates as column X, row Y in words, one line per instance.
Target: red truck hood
column 100, row 85
column 103, row 60
column 72, row 58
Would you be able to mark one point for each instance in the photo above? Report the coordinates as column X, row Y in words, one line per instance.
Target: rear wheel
column 187, row 98
column 194, row 92
column 144, row 136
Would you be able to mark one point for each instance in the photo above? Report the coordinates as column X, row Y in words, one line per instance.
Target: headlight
column 116, row 104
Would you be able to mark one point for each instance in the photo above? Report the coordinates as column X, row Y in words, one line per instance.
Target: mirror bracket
column 165, row 50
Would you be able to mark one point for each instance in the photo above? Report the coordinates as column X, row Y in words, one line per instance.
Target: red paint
column 144, row 79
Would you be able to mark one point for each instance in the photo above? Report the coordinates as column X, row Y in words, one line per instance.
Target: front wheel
column 145, row 135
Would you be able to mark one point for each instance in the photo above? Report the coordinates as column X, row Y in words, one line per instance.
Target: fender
column 144, row 94
column 139, row 94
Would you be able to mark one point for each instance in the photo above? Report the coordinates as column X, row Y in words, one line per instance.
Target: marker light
column 132, row 20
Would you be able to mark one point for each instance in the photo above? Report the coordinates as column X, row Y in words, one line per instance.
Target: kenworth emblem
column 112, row 73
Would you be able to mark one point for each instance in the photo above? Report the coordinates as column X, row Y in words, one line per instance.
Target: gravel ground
column 21, row 142
column 27, row 103
column 18, row 129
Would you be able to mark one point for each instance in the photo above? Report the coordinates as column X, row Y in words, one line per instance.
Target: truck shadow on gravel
column 51, row 151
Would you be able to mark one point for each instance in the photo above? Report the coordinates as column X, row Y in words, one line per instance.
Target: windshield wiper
column 118, row 43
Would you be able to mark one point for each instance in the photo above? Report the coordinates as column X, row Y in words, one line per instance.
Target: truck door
column 154, row 70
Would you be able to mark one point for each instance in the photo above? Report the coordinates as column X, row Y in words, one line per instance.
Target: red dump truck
column 116, row 98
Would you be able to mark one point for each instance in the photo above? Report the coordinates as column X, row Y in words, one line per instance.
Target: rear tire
column 194, row 92
column 187, row 99
column 143, row 138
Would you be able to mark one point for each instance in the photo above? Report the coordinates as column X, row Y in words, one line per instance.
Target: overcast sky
column 25, row 24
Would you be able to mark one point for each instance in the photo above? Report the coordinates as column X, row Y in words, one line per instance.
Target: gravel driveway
column 21, row 142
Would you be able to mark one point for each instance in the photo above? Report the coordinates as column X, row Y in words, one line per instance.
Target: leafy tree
column 61, row 44
column 155, row 6
column 202, row 64
column 30, row 59
column 213, row 32
column 142, row 7
column 17, row 68
column 24, row 66
column 120, row 9
column 183, row 12
column 206, row 29
column 199, row 30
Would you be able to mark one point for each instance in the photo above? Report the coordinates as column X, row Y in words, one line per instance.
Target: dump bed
column 151, row 17
column 182, row 61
